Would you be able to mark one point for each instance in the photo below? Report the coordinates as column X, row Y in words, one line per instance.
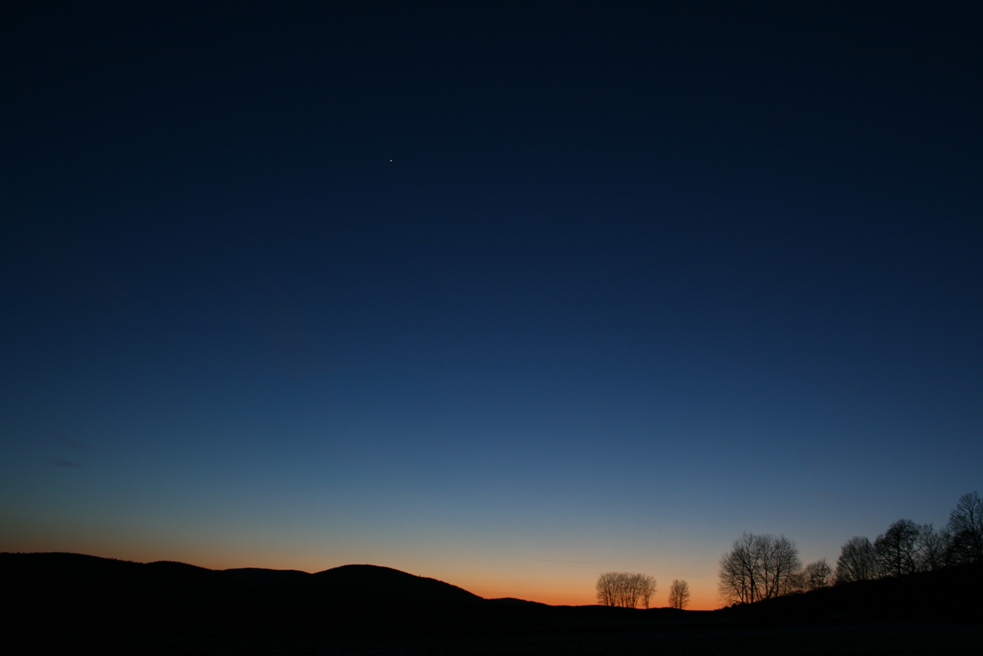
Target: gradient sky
column 507, row 295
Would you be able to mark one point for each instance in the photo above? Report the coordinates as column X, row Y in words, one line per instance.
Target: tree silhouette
column 625, row 589
column 966, row 529
column 607, row 589
column 897, row 548
column 933, row 548
column 857, row 562
column 818, row 575
column 759, row 567
column 678, row 594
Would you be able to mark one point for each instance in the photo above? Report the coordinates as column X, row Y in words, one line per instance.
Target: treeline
column 907, row 547
column 625, row 589
column 765, row 566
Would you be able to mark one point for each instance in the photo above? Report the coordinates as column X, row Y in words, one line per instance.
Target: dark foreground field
column 695, row 638
column 68, row 604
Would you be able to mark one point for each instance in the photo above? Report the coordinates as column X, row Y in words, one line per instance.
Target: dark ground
column 71, row 604
column 692, row 638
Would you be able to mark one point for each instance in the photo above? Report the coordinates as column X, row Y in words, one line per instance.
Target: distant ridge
column 374, row 584
column 81, row 588
column 71, row 603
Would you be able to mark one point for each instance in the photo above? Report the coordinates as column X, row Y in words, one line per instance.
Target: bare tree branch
column 759, row 567
column 678, row 594
column 857, row 562
column 624, row 589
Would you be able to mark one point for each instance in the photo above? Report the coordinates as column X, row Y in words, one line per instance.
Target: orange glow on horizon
column 531, row 584
column 569, row 596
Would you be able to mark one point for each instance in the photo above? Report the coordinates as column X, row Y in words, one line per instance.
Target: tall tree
column 966, row 529
column 934, row 548
column 678, row 594
column 645, row 585
column 759, row 567
column 897, row 548
column 607, row 588
column 857, row 562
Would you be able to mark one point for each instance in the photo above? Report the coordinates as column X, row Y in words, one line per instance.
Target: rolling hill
column 69, row 602
column 83, row 589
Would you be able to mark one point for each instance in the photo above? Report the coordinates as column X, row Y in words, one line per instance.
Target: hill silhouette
column 78, row 585
column 80, row 589
column 376, row 585
column 122, row 606
column 950, row 595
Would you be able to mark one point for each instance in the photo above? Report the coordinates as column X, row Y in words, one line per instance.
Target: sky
column 503, row 294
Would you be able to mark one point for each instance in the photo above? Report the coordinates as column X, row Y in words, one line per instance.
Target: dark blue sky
column 504, row 294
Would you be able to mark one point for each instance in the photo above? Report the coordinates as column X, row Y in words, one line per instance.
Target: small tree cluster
column 678, row 594
column 625, row 589
column 760, row 567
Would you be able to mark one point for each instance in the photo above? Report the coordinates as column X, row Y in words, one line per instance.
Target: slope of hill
column 73, row 603
column 372, row 584
column 82, row 589
column 950, row 595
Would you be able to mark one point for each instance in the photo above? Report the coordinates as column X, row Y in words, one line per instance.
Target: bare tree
column 678, row 594
column 759, row 567
column 897, row 549
column 966, row 528
column 625, row 589
column 739, row 570
column 818, row 575
column 646, row 588
column 857, row 562
column 607, row 589
column 933, row 548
